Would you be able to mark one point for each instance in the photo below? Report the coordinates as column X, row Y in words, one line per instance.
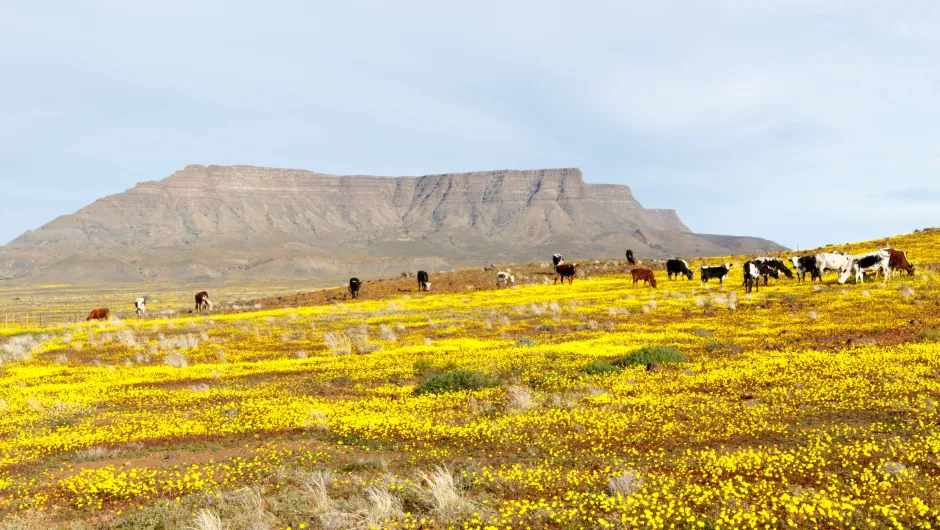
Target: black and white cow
column 676, row 267
column 804, row 264
column 354, row 285
column 776, row 264
column 140, row 305
column 709, row 272
column 424, row 283
column 751, row 276
column 630, row 259
column 872, row 262
column 557, row 260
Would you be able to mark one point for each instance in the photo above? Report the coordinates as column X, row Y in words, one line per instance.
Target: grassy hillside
column 797, row 406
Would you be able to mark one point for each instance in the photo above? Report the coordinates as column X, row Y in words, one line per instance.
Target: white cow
column 503, row 279
column 833, row 261
column 872, row 262
column 141, row 306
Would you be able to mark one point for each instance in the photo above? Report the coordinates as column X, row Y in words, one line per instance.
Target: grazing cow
column 767, row 272
column 630, row 259
column 503, row 279
column 99, row 314
column 804, row 264
column 140, row 305
column 776, row 264
column 871, row 262
column 557, row 260
column 643, row 274
column 898, row 261
column 424, row 282
column 710, row 272
column 565, row 270
column 751, row 276
column 203, row 302
column 833, row 261
column 354, row 285
column 677, row 266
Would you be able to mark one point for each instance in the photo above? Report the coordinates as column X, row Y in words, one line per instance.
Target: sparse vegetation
column 455, row 381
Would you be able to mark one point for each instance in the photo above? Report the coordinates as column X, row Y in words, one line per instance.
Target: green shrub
column 524, row 342
column 648, row 354
column 455, row 381
column 545, row 327
column 600, row 367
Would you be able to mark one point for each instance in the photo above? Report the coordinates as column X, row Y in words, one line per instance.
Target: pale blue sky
column 807, row 122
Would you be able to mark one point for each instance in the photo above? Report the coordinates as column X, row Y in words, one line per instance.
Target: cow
column 767, row 272
column 354, row 285
column 718, row 271
column 503, row 279
column 140, row 305
column 424, row 282
column 898, row 261
column 676, row 267
column 751, row 276
column 804, row 264
column 871, row 262
column 646, row 275
column 833, row 261
column 203, row 302
column 565, row 270
column 102, row 313
column 630, row 259
column 775, row 263
column 557, row 260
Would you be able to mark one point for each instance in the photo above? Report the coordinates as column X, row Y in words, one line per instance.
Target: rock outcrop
column 223, row 221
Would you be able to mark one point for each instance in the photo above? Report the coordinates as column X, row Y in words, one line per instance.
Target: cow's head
column 846, row 272
column 209, row 303
column 427, row 285
column 512, row 279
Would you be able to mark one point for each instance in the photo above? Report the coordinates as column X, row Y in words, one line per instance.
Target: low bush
column 648, row 354
column 455, row 381
column 600, row 367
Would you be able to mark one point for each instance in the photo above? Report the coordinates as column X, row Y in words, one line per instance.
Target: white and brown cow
column 504, row 279
column 898, row 261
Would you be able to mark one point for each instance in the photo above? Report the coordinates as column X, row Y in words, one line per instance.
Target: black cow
column 775, row 263
column 676, row 267
column 424, row 283
column 804, row 264
column 719, row 272
column 354, row 285
column 630, row 259
column 767, row 272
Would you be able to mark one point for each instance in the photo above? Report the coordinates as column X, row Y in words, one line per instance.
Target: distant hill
column 227, row 222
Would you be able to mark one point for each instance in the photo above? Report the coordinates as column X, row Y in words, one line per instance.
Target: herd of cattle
column 886, row 261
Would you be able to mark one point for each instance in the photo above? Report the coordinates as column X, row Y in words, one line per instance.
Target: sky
column 805, row 122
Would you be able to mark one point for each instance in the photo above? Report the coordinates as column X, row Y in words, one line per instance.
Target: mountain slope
column 224, row 221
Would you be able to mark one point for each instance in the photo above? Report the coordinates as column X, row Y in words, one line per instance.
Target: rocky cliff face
column 215, row 222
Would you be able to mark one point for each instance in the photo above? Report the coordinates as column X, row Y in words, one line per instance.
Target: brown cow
column 643, row 274
column 565, row 270
column 898, row 261
column 202, row 301
column 99, row 314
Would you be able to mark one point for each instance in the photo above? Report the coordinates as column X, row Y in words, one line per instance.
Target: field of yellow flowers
column 797, row 406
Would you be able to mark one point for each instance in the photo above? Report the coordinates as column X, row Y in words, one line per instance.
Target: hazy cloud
column 788, row 120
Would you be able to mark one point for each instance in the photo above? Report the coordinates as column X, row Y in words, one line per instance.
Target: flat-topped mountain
column 226, row 221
